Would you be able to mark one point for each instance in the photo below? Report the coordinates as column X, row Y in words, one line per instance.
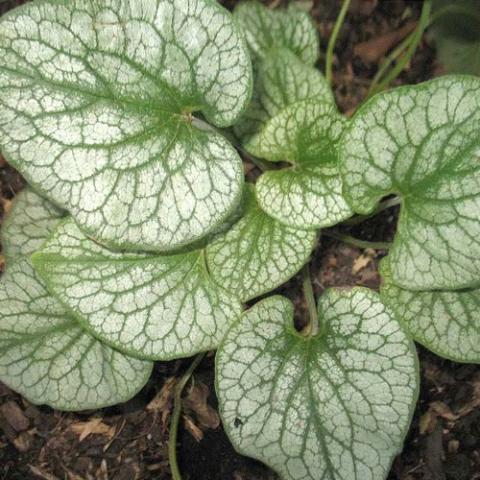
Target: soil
column 129, row 441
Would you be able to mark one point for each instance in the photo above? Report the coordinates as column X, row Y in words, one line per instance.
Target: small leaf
column 281, row 80
column 96, row 100
column 48, row 358
column 447, row 322
column 309, row 193
column 29, row 222
column 258, row 253
column 423, row 143
column 333, row 406
column 457, row 35
column 290, row 28
column 150, row 306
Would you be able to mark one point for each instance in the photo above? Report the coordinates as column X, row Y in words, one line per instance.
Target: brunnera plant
column 139, row 240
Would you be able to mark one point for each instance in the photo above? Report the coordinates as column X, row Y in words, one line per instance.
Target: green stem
column 177, row 410
column 313, row 327
column 386, row 204
column 388, row 61
column 356, row 242
column 333, row 40
column 412, row 41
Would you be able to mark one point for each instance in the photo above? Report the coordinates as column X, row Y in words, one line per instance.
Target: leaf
column 46, row 357
column 150, row 306
column 266, row 29
column 281, row 79
column 258, row 253
column 96, row 112
column 44, row 354
column 337, row 405
column 457, row 35
column 308, row 194
column 423, row 143
column 28, row 223
column 447, row 322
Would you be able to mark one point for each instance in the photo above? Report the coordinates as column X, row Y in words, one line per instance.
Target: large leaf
column 266, row 29
column 457, row 35
column 48, row 358
column 308, row 194
column 156, row 307
column 423, row 143
column 447, row 322
column 29, row 222
column 96, row 98
column 258, row 253
column 281, row 79
column 333, row 406
column 44, row 354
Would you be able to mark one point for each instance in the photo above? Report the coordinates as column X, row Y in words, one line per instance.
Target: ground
column 130, row 441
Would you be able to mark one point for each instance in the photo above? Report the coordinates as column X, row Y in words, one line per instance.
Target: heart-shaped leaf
column 281, row 79
column 308, row 194
column 423, row 143
column 29, row 222
column 332, row 406
column 258, row 253
column 151, row 306
column 447, row 322
column 44, row 354
column 96, row 103
column 48, row 358
column 267, row 28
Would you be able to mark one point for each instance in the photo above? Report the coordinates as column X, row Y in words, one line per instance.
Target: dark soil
column 130, row 441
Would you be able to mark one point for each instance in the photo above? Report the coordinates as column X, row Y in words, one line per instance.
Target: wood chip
column 453, row 446
column 162, row 399
column 427, row 422
column 42, row 474
column 444, row 411
column 373, row 50
column 196, row 401
column 15, row 417
column 92, row 427
column 23, row 443
column 163, row 402
column 102, row 472
column 363, row 261
column 196, row 432
column 7, row 206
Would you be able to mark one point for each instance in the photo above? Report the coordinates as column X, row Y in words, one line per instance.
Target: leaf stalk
column 356, row 242
column 333, row 41
column 385, row 205
column 410, row 44
column 313, row 326
column 177, row 410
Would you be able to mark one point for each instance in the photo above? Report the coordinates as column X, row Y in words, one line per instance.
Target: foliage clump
column 138, row 239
